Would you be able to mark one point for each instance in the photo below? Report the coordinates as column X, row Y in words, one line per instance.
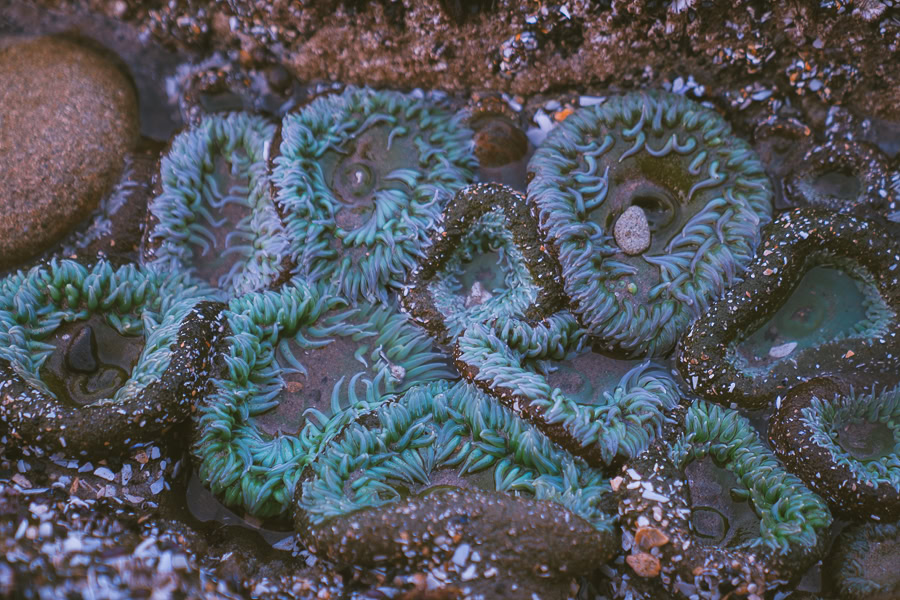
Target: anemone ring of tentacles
column 653, row 206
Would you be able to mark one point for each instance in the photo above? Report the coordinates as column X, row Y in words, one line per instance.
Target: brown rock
column 69, row 116
column 650, row 537
column 645, row 565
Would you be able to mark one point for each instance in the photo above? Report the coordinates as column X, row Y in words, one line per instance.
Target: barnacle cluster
column 654, row 208
column 64, row 391
column 441, row 438
column 720, row 355
column 696, row 550
column 844, row 445
column 214, row 215
column 300, row 366
column 361, row 179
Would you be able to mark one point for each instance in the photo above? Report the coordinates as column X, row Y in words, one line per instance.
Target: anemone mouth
column 300, row 367
column 214, row 214
column 90, row 362
column 366, row 169
column 678, row 500
column 683, row 167
column 437, row 439
column 601, row 409
column 814, row 302
column 844, row 445
column 97, row 356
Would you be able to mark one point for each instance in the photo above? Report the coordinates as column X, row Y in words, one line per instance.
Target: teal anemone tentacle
column 301, row 365
column 604, row 423
column 447, row 438
column 660, row 506
column 653, row 207
column 215, row 214
column 361, row 179
column 63, row 390
column 486, row 262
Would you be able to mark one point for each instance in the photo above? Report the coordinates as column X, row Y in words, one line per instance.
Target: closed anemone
column 361, row 178
column 491, row 478
column 816, row 301
column 654, row 207
column 844, row 445
column 712, row 507
column 95, row 358
column 485, row 263
column 299, row 366
column 214, row 215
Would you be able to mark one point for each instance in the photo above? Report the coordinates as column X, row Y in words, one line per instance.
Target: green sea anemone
column 841, row 175
column 710, row 510
column 95, row 359
column 654, row 207
column 299, row 367
column 602, row 409
column 361, row 179
column 821, row 298
column 485, row 263
column 862, row 565
column 214, row 215
column 446, row 459
column 845, row 446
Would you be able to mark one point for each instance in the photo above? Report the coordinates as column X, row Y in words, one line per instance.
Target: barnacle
column 841, row 175
column 300, row 365
column 486, row 262
column 214, row 214
column 862, row 565
column 361, row 178
column 445, row 462
column 95, row 359
column 654, row 208
column 843, row 445
column 758, row 340
column 602, row 409
column 711, row 510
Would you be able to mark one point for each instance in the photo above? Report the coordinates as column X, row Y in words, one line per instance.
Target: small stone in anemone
column 361, row 180
column 442, row 451
column 702, row 190
column 632, row 231
column 98, row 359
column 819, row 279
column 300, row 366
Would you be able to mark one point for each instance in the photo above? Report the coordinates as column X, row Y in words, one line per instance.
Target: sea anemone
column 842, row 176
column 602, row 409
column 686, row 505
column 654, row 208
column 361, row 179
column 95, row 359
column 214, row 215
column 486, row 262
column 845, row 446
column 781, row 142
column 756, row 341
column 862, row 565
column 446, row 462
column 299, row 367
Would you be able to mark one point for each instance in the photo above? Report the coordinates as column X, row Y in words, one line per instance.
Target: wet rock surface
column 69, row 117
